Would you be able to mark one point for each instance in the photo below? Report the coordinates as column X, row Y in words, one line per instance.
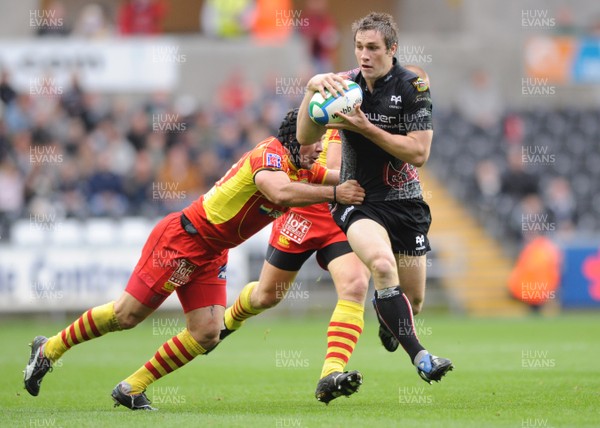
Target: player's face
column 371, row 54
column 309, row 154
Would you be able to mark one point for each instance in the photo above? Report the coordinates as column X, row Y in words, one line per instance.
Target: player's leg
column 125, row 313
column 371, row 243
column 412, row 271
column 258, row 296
column 351, row 279
column 200, row 336
column 203, row 300
column 276, row 277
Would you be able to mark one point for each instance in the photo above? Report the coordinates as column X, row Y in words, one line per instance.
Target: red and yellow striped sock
column 94, row 323
column 343, row 332
column 241, row 309
column 174, row 353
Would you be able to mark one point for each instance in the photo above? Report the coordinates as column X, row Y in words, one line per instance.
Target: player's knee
column 268, row 300
column 383, row 267
column 206, row 335
column 128, row 319
column 355, row 288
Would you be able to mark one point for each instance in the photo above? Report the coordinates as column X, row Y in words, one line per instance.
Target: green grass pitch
column 534, row 372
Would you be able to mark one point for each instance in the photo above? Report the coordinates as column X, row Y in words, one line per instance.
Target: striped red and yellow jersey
column 331, row 136
column 234, row 209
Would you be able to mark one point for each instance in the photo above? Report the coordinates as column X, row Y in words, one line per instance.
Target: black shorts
column 294, row 261
column 407, row 222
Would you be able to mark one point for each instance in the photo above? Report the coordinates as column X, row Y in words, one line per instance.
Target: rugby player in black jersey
column 383, row 143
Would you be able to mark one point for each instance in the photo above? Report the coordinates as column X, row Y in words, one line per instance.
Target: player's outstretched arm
column 308, row 131
column 279, row 189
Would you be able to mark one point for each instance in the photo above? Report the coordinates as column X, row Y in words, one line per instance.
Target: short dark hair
column 382, row 22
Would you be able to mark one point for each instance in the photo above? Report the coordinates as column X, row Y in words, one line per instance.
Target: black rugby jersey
column 400, row 103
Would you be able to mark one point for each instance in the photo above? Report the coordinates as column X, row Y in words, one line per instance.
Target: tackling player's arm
column 277, row 187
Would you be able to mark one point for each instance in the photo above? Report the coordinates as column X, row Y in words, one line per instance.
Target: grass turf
column 534, row 372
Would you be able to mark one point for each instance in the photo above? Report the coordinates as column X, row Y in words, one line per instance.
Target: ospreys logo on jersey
column 395, row 102
column 397, row 178
column 420, row 85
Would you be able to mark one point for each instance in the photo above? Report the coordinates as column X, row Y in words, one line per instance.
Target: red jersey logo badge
column 296, row 227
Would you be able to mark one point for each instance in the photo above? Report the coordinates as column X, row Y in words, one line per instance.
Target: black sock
column 395, row 312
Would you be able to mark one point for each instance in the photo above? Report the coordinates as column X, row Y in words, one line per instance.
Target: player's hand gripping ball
column 324, row 110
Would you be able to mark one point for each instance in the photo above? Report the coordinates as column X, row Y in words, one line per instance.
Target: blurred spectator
column 481, row 104
column 211, row 166
column 530, row 218
column 110, row 142
column 72, row 99
column 321, row 34
column 92, row 23
column 487, row 185
column 11, row 195
column 54, row 20
column 516, row 181
column 514, row 129
column 71, row 190
column 138, row 130
column 74, row 137
column 7, row 93
column 226, row 19
column 561, row 204
column 141, row 17
column 5, row 146
column 230, row 140
column 234, row 94
column 138, row 186
column 179, row 182
column 18, row 114
column 106, row 195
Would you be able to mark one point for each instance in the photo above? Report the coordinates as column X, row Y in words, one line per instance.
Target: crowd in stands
column 72, row 153
column 82, row 154
column 523, row 173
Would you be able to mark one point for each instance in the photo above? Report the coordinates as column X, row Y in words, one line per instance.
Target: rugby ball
column 324, row 110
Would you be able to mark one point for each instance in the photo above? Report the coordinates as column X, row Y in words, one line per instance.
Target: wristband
column 334, row 198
